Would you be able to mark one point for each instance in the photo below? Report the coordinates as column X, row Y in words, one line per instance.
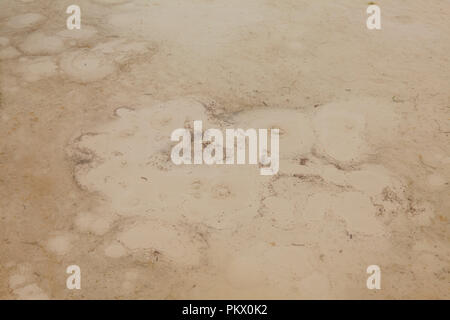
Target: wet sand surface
column 85, row 170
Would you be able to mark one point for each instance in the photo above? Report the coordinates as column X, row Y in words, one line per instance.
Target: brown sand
column 86, row 178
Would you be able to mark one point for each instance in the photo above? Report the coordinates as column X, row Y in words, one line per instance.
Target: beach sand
column 85, row 171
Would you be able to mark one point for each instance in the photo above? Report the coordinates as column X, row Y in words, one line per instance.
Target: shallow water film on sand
column 93, row 205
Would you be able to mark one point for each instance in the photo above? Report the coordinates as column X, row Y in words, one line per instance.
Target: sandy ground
column 86, row 178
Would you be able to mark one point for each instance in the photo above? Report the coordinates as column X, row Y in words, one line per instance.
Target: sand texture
column 86, row 176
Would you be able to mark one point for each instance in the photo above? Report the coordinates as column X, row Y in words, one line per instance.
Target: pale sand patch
column 172, row 242
column 60, row 244
column 144, row 180
column 130, row 166
column 24, row 21
column 115, row 250
column 95, row 222
column 31, row 292
column 16, row 280
column 34, row 69
column 341, row 135
column 38, row 43
column 86, row 66
column 347, row 131
column 103, row 60
column 255, row 268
